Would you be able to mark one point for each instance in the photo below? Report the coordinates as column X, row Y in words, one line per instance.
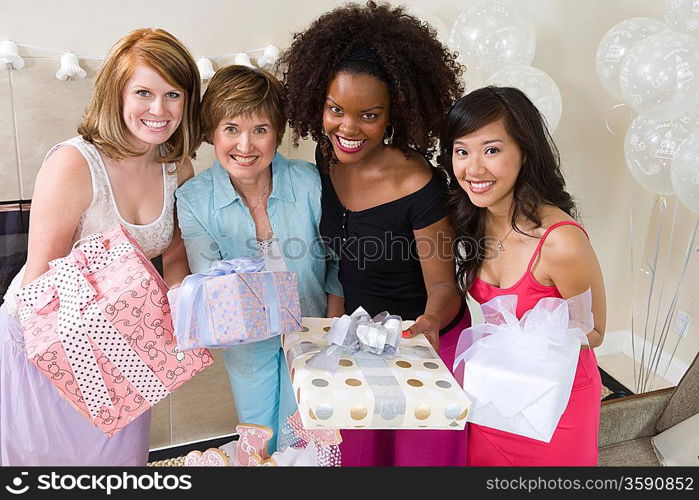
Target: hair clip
column 70, row 68
column 9, row 55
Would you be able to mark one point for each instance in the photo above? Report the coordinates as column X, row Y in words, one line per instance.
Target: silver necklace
column 499, row 243
column 259, row 201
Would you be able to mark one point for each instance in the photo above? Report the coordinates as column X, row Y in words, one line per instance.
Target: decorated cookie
column 192, row 459
column 256, row 460
column 213, row 457
column 252, row 443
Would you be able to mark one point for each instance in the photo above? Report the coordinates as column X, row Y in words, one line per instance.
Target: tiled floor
column 622, row 368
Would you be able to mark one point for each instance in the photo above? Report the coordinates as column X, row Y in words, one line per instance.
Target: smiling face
column 245, row 145
column 355, row 116
column 152, row 108
column 486, row 164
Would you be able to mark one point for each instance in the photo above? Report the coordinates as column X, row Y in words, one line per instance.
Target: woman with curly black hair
column 370, row 84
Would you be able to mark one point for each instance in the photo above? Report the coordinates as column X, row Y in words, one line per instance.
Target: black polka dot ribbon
column 90, row 257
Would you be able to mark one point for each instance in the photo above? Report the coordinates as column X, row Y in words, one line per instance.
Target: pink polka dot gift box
column 98, row 326
column 406, row 387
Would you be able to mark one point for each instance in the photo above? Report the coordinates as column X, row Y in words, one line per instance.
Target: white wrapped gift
column 519, row 373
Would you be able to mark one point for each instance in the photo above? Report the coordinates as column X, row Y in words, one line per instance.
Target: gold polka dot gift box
column 412, row 389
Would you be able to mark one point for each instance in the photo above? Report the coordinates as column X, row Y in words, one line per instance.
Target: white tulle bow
column 519, row 373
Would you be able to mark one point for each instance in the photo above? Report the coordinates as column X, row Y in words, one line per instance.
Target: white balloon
column 616, row 43
column 539, row 88
column 650, row 147
column 659, row 77
column 690, row 120
column 472, row 80
column 491, row 35
column 682, row 15
column 685, row 172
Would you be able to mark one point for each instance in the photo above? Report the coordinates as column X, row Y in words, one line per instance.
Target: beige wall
column 37, row 110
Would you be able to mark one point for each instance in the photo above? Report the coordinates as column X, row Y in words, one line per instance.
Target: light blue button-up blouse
column 216, row 225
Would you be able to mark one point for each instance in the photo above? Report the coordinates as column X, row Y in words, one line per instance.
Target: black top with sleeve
column 379, row 264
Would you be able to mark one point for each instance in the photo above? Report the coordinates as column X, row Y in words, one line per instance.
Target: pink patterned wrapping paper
column 126, row 326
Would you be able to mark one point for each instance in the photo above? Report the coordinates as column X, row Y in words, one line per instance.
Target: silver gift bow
column 359, row 332
column 371, row 341
column 80, row 320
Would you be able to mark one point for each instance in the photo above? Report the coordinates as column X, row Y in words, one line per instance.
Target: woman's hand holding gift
column 427, row 324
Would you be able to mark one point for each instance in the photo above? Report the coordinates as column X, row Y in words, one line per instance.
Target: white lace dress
column 37, row 426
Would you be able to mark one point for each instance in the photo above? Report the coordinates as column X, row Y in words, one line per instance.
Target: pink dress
column 574, row 442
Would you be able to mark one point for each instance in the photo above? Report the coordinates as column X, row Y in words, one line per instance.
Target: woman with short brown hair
column 255, row 202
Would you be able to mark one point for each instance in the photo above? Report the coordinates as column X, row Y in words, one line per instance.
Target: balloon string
column 660, row 201
column 656, row 348
column 633, row 279
column 675, row 298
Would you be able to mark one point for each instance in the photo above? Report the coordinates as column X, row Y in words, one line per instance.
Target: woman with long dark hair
column 517, row 235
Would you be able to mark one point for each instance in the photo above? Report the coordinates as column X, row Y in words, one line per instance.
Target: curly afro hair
column 382, row 41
